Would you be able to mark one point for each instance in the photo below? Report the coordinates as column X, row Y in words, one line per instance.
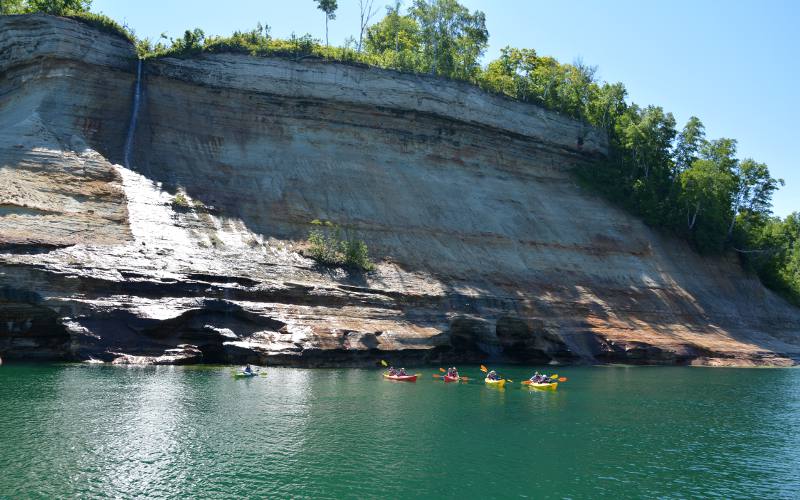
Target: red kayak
column 401, row 378
column 448, row 378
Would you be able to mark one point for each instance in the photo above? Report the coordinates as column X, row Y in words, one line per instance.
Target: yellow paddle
column 384, row 363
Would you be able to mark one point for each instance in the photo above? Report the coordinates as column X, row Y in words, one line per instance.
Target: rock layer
column 486, row 246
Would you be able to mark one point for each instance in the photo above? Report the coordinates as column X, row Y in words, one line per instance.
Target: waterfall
column 134, row 116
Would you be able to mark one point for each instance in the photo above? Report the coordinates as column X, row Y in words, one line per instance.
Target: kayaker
column 453, row 372
column 536, row 378
column 492, row 375
column 402, row 373
column 248, row 370
column 392, row 371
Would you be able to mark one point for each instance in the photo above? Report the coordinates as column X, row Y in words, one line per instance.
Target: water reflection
column 197, row 432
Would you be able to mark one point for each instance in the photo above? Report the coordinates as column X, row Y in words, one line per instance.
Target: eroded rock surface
column 486, row 247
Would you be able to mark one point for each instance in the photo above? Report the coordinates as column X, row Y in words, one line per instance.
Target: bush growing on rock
column 180, row 200
column 327, row 246
column 73, row 9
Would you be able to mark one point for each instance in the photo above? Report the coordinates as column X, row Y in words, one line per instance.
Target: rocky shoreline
column 486, row 247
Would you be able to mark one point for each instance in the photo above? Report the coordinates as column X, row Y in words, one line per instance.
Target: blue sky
column 732, row 64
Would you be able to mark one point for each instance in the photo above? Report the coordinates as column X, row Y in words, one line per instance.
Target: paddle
column 384, row 363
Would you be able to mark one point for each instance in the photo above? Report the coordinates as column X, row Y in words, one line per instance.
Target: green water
column 171, row 432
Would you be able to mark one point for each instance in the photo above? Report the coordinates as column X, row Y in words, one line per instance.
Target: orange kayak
column 400, row 378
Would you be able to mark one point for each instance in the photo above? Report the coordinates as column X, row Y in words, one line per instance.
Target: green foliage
column 706, row 197
column 450, row 37
column 328, row 7
column 58, row 7
column 73, row 9
column 328, row 246
column 771, row 247
column 180, row 200
column 105, row 24
column 12, row 7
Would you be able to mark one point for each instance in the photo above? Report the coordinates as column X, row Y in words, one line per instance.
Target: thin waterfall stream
column 134, row 116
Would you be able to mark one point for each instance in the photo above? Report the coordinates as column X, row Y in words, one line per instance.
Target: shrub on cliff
column 73, row 9
column 53, row 7
column 104, row 23
column 327, row 246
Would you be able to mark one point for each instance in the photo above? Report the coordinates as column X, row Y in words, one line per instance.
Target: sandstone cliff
column 486, row 247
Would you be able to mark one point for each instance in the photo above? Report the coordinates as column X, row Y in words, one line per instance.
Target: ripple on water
column 171, row 432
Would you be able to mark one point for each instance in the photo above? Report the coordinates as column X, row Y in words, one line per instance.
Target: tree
column 395, row 40
column 329, row 8
column 607, row 106
column 720, row 151
column 508, row 74
column 366, row 12
column 453, row 39
column 706, row 195
column 11, row 7
column 752, row 191
column 59, row 7
column 690, row 141
column 395, row 32
column 771, row 247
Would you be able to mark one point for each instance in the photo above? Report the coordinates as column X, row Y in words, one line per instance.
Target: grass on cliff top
column 256, row 42
column 104, row 24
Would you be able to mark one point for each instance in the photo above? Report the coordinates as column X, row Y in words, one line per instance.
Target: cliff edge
column 486, row 247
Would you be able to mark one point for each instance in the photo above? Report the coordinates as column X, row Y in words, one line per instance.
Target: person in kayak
column 248, row 370
column 402, row 373
column 537, row 378
column 452, row 372
column 492, row 375
column 392, row 371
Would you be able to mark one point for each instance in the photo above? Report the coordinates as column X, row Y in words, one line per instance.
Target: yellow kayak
column 547, row 386
column 495, row 383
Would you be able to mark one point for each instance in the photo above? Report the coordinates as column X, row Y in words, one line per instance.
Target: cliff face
column 486, row 247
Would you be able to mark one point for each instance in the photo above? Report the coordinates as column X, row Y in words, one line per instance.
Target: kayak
column 244, row 375
column 400, row 378
column 448, row 378
column 546, row 386
column 496, row 383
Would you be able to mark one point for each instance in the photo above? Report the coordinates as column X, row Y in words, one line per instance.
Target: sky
column 732, row 64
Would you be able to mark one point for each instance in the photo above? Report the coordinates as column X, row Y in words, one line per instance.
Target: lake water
column 196, row 432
